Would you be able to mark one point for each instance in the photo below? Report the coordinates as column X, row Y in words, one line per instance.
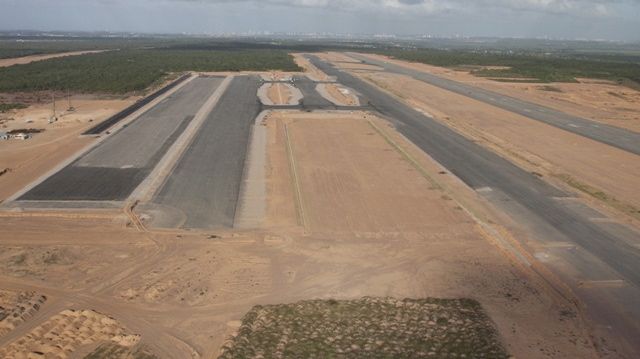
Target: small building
column 22, row 136
column 4, row 136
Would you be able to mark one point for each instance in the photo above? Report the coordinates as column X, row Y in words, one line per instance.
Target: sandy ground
column 598, row 100
column 28, row 160
column 34, row 58
column 16, row 307
column 366, row 229
column 341, row 182
column 341, row 95
column 67, row 332
column 539, row 148
column 309, row 69
column 279, row 94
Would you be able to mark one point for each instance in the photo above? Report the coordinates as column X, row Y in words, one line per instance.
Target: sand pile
column 66, row 332
column 16, row 307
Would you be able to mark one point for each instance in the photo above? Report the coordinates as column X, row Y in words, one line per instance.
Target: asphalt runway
column 614, row 136
column 312, row 98
column 113, row 169
column 479, row 167
column 113, row 120
column 205, row 185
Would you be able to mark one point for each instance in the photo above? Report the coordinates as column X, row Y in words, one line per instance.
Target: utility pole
column 70, row 108
column 53, row 117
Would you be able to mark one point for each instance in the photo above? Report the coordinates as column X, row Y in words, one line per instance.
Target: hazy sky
column 586, row 19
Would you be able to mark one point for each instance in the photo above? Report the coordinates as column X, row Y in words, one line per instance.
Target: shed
column 22, row 136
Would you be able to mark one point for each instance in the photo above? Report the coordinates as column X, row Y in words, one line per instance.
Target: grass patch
column 126, row 71
column 4, row 107
column 599, row 195
column 367, row 328
column 543, row 67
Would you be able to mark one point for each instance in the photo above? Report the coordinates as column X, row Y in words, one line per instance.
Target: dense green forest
column 542, row 67
column 125, row 71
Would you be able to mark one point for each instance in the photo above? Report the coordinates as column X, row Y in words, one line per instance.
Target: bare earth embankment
column 34, row 58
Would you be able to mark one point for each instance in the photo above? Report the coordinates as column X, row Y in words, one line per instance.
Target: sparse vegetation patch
column 4, row 107
column 367, row 328
column 599, row 195
column 550, row 88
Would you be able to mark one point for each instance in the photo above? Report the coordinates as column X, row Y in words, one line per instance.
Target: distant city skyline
column 556, row 19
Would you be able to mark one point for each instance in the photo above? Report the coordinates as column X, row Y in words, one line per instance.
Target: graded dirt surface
column 598, row 100
column 533, row 145
column 279, row 94
column 340, row 95
column 30, row 159
column 346, row 185
column 34, row 58
column 309, row 69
